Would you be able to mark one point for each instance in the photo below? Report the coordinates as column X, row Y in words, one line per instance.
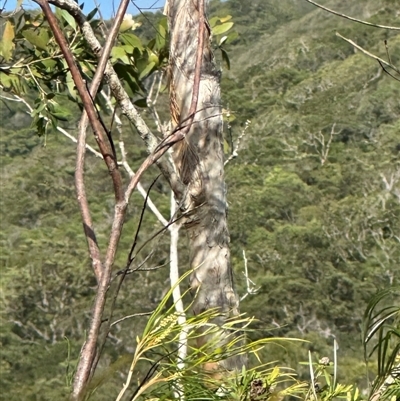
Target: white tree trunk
column 199, row 160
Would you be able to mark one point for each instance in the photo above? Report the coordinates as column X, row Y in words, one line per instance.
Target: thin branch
column 103, row 272
column 367, row 52
column 85, row 96
column 177, row 296
column 89, row 354
column 129, row 261
column 250, row 285
column 388, row 72
column 135, row 240
column 151, row 103
column 130, row 317
column 393, row 28
column 127, row 167
column 381, row 62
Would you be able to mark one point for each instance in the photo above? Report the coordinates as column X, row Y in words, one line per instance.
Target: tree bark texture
column 199, row 160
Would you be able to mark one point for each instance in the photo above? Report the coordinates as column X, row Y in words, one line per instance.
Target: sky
column 106, row 6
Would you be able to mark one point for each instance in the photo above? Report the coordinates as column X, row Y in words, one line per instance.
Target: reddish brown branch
column 90, row 353
column 94, row 251
column 86, row 99
column 85, row 366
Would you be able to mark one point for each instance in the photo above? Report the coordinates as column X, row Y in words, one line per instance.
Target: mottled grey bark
column 199, row 159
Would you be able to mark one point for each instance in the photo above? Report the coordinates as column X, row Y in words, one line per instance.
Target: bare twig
column 384, row 62
column 89, row 354
column 106, row 329
column 393, row 28
column 381, row 62
column 321, row 146
column 130, row 317
column 176, row 294
column 127, row 167
column 151, row 103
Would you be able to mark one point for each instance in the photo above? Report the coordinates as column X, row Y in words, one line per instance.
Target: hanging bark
column 199, row 159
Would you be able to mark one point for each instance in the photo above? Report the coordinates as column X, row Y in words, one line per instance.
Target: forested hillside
column 314, row 201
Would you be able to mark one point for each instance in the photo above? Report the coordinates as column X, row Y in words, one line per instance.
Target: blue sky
column 106, row 6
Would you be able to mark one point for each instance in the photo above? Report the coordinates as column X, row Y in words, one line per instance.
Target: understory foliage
column 314, row 200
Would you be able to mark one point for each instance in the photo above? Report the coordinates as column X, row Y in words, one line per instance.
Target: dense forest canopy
column 314, row 201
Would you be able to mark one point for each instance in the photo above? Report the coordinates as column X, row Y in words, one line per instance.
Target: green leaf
column 49, row 64
column 231, row 37
column 7, row 44
column 128, row 49
column 59, row 112
column 213, row 21
column 40, row 124
column 125, row 73
column 92, row 14
column 60, row 116
column 225, row 58
column 220, row 29
column 6, row 80
column 71, row 85
column 147, row 70
column 153, row 57
column 132, row 40
column 69, row 19
column 161, row 37
column 224, row 19
column 141, row 102
column 119, row 53
column 39, row 40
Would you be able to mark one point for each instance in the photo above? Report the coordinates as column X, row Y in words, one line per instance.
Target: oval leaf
column 7, row 44
column 38, row 40
column 69, row 19
column 225, row 57
column 220, row 29
column 147, row 70
column 132, row 40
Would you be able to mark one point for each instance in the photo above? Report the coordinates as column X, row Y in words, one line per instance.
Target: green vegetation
column 314, row 201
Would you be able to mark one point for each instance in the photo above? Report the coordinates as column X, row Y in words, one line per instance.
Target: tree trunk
column 199, row 159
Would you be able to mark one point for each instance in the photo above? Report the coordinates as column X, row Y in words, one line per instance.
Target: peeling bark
column 199, row 159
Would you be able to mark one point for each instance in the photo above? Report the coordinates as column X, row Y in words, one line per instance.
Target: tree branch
column 381, row 61
column 393, row 28
column 86, row 98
